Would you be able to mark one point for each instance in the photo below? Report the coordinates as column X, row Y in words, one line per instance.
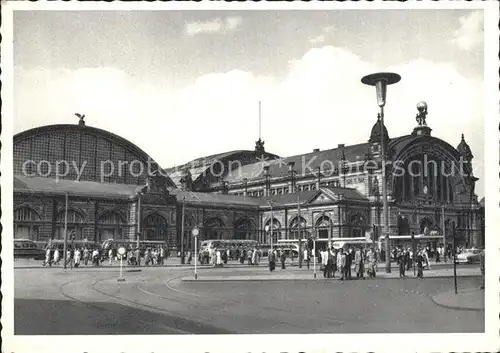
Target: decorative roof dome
column 464, row 149
column 375, row 134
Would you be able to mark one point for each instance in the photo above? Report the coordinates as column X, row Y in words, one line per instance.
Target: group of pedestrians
column 341, row 260
column 75, row 257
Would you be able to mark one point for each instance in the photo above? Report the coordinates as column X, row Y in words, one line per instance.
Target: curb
column 454, row 307
column 307, row 279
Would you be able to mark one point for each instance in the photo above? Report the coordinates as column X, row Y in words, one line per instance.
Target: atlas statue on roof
column 422, row 113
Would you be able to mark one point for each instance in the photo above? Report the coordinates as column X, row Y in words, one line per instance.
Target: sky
column 186, row 84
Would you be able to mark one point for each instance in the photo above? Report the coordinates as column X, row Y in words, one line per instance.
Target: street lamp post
column 381, row 80
column 271, row 225
column 65, row 248
column 182, row 230
column 454, row 259
column 299, row 231
column 139, row 221
column 195, row 232
column 443, row 225
column 314, row 250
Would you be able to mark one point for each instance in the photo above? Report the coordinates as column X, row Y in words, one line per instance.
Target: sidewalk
column 308, row 275
column 175, row 262
column 465, row 299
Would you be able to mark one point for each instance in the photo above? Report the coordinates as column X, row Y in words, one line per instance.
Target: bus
column 27, row 249
column 233, row 245
column 131, row 244
column 431, row 240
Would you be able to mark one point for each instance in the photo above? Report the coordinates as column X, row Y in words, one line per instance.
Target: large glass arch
column 75, row 224
column 244, row 229
column 155, row 227
column 213, row 228
column 110, row 226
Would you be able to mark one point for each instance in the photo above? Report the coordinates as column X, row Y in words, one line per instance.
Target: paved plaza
column 159, row 300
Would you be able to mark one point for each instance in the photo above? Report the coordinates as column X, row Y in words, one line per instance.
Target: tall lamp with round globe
column 195, row 232
column 381, row 80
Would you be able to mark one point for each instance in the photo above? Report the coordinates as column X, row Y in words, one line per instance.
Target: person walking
column 420, row 265
column 242, row 256
column 249, row 257
column 272, row 260
column 372, row 263
column 48, row 257
column 56, row 256
column 358, row 262
column 228, row 253
column 330, row 264
column 324, row 263
column 348, row 263
column 306, row 257
column 254, row 257
column 218, row 258
column 77, row 257
column 86, row 256
column 425, row 255
column 283, row 259
column 110, row 257
column 341, row 264
column 402, row 263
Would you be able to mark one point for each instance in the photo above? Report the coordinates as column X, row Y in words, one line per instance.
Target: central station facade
column 116, row 190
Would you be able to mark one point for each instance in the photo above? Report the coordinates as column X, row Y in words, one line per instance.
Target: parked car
column 469, row 256
column 27, row 249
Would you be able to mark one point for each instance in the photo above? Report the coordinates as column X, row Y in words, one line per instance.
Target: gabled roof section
column 202, row 166
column 304, row 163
column 323, row 195
column 216, row 199
column 40, row 185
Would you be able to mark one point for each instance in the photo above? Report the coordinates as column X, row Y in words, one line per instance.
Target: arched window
column 294, row 228
column 110, row 226
column 213, row 228
column 275, row 231
column 75, row 224
column 154, row 227
column 244, row 229
column 24, row 223
column 323, row 226
column 425, row 224
column 358, row 225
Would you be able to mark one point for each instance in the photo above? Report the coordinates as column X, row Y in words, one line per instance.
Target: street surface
column 159, row 300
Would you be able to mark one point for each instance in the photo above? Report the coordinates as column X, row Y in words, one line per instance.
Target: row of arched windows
column 110, row 225
column 323, row 225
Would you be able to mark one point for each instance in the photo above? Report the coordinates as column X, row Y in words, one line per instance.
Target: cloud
column 470, row 34
column 317, row 39
column 213, row 26
column 326, row 31
column 320, row 103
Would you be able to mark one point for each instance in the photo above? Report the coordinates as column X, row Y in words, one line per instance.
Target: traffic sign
column 195, row 232
column 122, row 251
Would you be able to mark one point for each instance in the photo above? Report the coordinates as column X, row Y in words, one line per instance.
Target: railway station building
column 116, row 190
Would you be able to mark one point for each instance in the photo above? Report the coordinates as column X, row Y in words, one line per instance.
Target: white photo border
column 488, row 341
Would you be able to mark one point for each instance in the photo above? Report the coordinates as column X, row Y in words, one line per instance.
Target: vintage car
column 469, row 256
column 27, row 249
